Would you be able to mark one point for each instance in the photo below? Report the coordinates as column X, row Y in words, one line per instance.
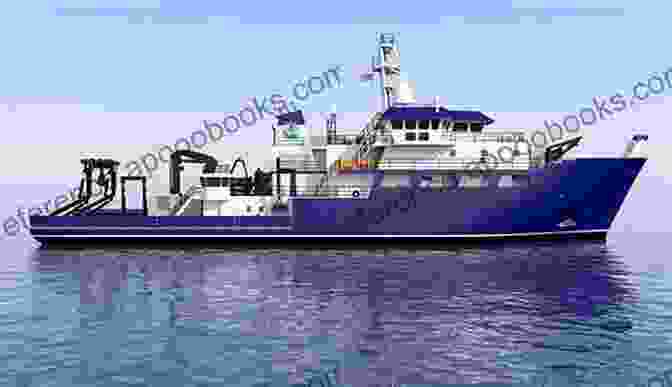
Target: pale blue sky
column 97, row 78
column 249, row 48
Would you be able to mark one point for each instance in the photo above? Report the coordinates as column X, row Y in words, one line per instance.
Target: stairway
column 187, row 202
column 368, row 136
column 358, row 151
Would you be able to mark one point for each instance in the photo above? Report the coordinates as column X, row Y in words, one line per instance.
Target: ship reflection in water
column 463, row 315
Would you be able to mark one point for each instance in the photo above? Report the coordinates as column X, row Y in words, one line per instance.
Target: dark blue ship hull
column 573, row 199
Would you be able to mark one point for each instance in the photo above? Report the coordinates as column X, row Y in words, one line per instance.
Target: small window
column 424, row 125
column 396, row 124
column 410, row 136
column 435, row 124
column 460, row 127
column 410, row 124
column 423, row 136
column 476, row 127
column 445, row 124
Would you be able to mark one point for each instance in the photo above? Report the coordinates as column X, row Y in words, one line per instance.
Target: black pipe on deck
column 110, row 183
column 187, row 156
column 84, row 190
column 105, row 200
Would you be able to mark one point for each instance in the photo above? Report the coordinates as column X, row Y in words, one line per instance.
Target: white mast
column 388, row 67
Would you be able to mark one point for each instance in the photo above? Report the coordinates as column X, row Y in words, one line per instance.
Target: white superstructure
column 406, row 137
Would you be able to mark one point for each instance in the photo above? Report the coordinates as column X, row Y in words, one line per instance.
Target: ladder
column 368, row 136
column 185, row 200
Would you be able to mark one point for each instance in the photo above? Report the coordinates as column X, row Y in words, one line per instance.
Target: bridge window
column 410, row 136
column 397, row 124
column 476, row 127
column 435, row 124
column 423, row 136
column 410, row 124
column 424, row 125
column 460, row 127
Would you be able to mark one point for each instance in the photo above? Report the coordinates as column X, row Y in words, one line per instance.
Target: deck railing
column 502, row 137
column 185, row 199
column 356, row 139
column 490, row 163
column 456, row 164
column 344, row 139
column 289, row 141
column 302, row 165
column 340, row 191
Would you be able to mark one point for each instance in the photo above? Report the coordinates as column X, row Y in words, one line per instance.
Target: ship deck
column 570, row 200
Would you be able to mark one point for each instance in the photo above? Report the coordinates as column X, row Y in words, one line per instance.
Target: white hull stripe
column 150, row 228
column 119, row 236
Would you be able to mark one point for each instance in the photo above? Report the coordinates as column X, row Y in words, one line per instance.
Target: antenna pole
column 389, row 67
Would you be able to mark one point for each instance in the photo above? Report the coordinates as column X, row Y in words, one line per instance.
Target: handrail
column 318, row 187
column 457, row 164
column 332, row 170
column 290, row 141
column 343, row 139
column 302, row 164
column 441, row 164
column 368, row 135
column 341, row 190
column 491, row 162
column 184, row 199
column 502, row 137
column 512, row 137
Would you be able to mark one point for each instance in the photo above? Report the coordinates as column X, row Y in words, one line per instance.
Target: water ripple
column 212, row 317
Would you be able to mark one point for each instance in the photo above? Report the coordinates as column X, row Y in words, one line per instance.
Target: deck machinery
column 418, row 171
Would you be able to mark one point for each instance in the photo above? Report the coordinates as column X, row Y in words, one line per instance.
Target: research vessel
column 413, row 172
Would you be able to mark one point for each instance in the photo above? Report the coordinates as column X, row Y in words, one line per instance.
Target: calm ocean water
column 537, row 314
